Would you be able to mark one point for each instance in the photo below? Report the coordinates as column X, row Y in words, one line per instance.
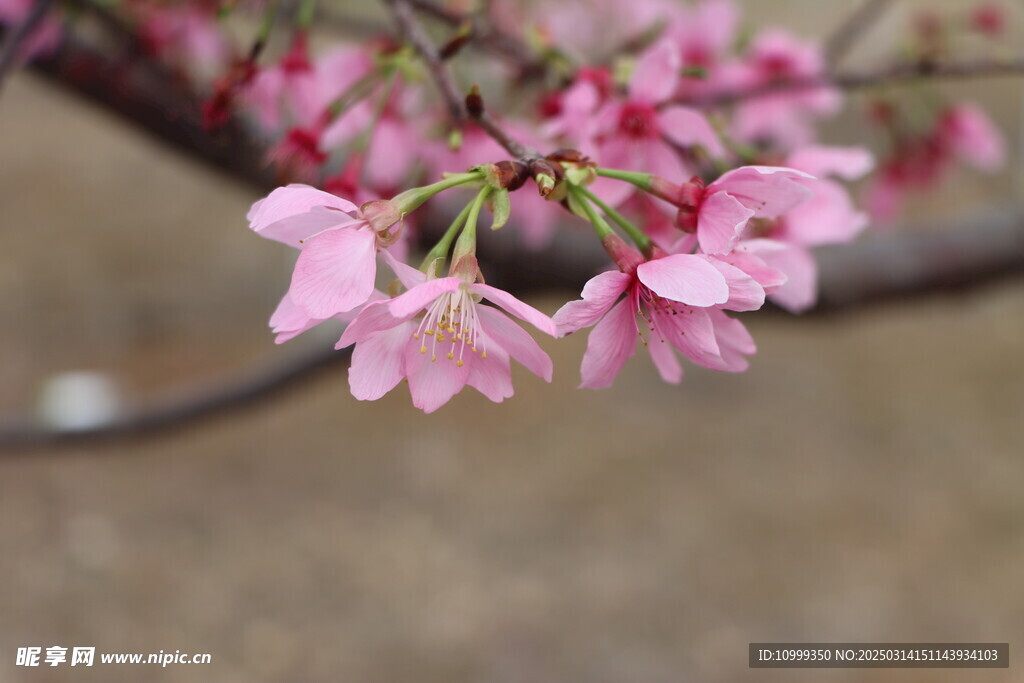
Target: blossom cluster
column 687, row 141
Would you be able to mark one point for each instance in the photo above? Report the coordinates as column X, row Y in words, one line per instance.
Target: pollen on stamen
column 451, row 356
column 423, row 349
column 459, row 363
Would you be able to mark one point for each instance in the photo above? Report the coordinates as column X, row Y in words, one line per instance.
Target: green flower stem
column 410, row 200
column 601, row 226
column 304, row 17
column 642, row 241
column 440, row 250
column 467, row 240
column 641, row 180
column 266, row 26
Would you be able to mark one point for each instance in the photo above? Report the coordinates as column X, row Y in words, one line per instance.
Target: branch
column 881, row 267
column 890, row 75
column 14, row 39
column 488, row 37
column 850, row 31
column 413, row 34
column 151, row 98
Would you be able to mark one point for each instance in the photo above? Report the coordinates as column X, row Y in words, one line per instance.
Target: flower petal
column 656, row 73
column 720, row 222
column 768, row 190
column 686, row 278
column 665, row 360
column 848, row 163
column 491, row 376
column 516, row 307
column 335, row 272
column 688, row 127
column 745, row 294
column 515, row 341
column 599, row 294
column 377, row 362
column 292, row 200
column 405, row 306
column 407, row 275
column 432, row 382
column 610, row 344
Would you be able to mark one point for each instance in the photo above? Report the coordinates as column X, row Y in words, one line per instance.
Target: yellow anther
column 459, row 363
column 423, row 349
column 451, row 355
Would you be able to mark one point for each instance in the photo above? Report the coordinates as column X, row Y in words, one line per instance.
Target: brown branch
column 890, row 75
column 881, row 267
column 488, row 36
column 155, row 100
column 414, row 34
column 15, row 37
column 853, row 29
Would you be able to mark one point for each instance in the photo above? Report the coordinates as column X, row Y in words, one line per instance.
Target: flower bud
column 625, row 257
column 381, row 215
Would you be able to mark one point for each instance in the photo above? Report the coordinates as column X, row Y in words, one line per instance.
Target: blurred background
column 861, row 482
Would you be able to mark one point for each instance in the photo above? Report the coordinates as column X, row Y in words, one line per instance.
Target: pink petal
column 665, row 360
column 720, row 223
column 768, row 190
column 688, row 127
column 599, row 294
column 745, row 294
column 432, row 383
column 974, row 137
column 515, row 341
column 693, row 334
column 829, row 217
column 734, row 342
column 769, row 278
column 516, row 307
column 848, row 163
column 335, row 272
column 377, row 362
column 407, row 305
column 296, row 230
column 289, row 321
column 292, row 200
column 656, row 73
column 610, row 344
column 407, row 275
column 686, row 278
column 491, row 376
column 801, row 289
column 373, row 318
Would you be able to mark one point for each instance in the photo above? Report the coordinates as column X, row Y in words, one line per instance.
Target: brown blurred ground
column 861, row 482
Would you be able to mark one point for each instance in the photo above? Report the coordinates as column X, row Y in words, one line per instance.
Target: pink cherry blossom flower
column 972, row 137
column 704, row 33
column 339, row 242
column 679, row 298
column 290, row 85
column 457, row 341
column 638, row 134
column 784, row 119
column 719, row 212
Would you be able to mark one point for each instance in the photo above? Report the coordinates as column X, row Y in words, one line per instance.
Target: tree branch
column 850, row 31
column 414, row 34
column 487, row 36
column 889, row 75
